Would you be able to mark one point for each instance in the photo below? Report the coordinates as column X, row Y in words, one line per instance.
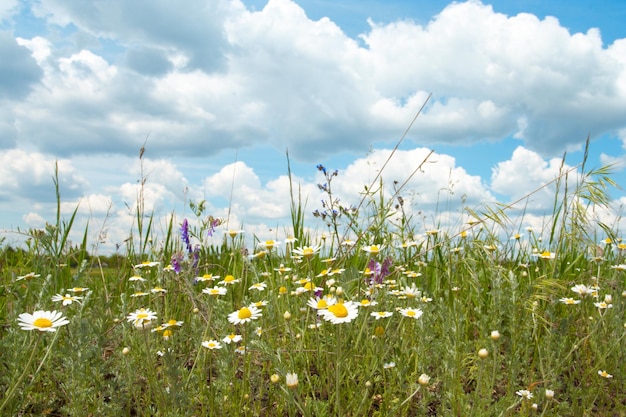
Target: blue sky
column 219, row 90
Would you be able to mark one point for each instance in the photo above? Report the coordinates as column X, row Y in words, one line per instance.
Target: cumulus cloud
column 220, row 76
column 19, row 72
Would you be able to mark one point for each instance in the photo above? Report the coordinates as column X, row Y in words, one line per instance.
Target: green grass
column 472, row 280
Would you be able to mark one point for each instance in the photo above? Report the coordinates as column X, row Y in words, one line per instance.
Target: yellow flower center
column 232, row 233
column 207, row 276
column 141, row 316
column 42, row 323
column 172, row 322
column 229, row 278
column 282, row 290
column 339, row 310
column 374, row 249
column 307, row 252
column 367, row 271
column 244, row 313
column 167, row 333
column 308, row 285
column 269, row 244
column 410, row 313
column 365, row 302
column 379, row 331
column 322, row 304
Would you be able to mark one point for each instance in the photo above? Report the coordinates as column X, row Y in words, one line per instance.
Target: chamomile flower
column 232, row 338
column 373, row 249
column 569, row 301
column 211, row 344
column 214, row 291
column 259, row 286
column 381, row 314
column 605, row 374
column 525, row 394
column 233, row 233
column 244, row 315
column 142, row 318
column 147, row 264
column 78, row 290
column 603, row 305
column 139, row 294
column 414, row 313
column 28, row 276
column 158, row 290
column 321, row 303
column 307, row 252
column 67, row 299
column 389, row 365
column 291, row 379
column 367, row 303
column 340, row 312
column 172, row 323
column 229, row 280
column 269, row 244
column 582, row 289
column 44, row 321
column 206, row 278
column 137, row 278
column 545, row 255
column 411, row 292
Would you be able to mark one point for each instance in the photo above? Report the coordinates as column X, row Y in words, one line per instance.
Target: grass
column 489, row 327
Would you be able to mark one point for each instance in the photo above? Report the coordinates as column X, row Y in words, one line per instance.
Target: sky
column 218, row 92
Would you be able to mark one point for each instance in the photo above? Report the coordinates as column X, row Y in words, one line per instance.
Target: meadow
column 362, row 311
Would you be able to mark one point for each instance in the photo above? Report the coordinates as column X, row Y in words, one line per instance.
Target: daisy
column 229, row 280
column 205, row 278
column 373, row 249
column 78, row 290
column 139, row 294
column 240, row 350
column 244, row 315
column 291, row 379
column 28, row 276
column 214, row 291
column 366, row 303
column 340, row 312
column 321, row 303
column 269, row 244
column 233, row 233
column 381, row 314
column 142, row 318
column 290, row 239
column 524, row 393
column 348, row 242
column 232, row 338
column 158, row 289
column 411, row 292
column 414, row 313
column 545, row 255
column 603, row 305
column 307, row 252
column 582, row 289
column 259, row 286
column 259, row 331
column 258, row 304
column 136, row 278
column 389, row 365
column 211, row 344
column 67, row 299
column 605, row 374
column 282, row 269
column 147, row 264
column 44, row 321
column 569, row 301
column 620, row 267
column 172, row 323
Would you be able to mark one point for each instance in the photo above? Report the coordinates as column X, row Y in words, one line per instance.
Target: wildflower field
column 362, row 311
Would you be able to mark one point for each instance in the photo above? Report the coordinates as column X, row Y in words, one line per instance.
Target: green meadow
column 358, row 311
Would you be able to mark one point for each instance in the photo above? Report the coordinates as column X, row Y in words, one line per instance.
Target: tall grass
column 495, row 337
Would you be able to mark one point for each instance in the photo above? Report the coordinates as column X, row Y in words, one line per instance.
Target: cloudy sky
column 219, row 90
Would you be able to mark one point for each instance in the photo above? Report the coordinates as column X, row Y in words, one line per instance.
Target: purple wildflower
column 184, row 235
column 176, row 261
column 379, row 271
